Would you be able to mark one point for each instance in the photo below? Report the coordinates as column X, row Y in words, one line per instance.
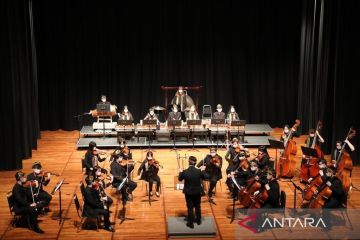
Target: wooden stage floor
column 57, row 153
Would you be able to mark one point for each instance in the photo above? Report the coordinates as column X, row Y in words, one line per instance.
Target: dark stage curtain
column 244, row 53
column 19, row 110
column 329, row 63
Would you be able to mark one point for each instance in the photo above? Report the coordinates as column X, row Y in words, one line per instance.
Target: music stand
column 150, row 122
column 124, row 123
column 311, row 152
column 174, row 123
column 217, row 121
column 103, row 108
column 238, row 124
column 123, row 194
column 277, row 145
column 57, row 188
column 193, row 123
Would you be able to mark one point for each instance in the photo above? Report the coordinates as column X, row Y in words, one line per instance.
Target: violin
column 215, row 160
column 32, row 183
column 125, row 162
column 288, row 157
column 44, row 174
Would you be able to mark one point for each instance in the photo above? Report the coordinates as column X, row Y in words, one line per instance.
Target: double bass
column 311, row 168
column 288, row 156
column 344, row 163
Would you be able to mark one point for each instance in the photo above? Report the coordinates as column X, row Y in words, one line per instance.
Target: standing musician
column 286, row 133
column 149, row 169
column 174, row 115
column 263, row 158
column 310, row 140
column 349, row 147
column 151, row 115
column 120, row 170
column 232, row 114
column 182, row 99
column 338, row 196
column 94, row 204
column 212, row 163
column 125, row 114
column 43, row 179
column 25, row 204
column 192, row 189
column 219, row 114
column 192, row 114
column 92, row 159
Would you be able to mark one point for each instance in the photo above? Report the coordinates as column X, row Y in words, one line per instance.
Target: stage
column 254, row 135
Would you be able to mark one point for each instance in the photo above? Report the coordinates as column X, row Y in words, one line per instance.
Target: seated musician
column 125, row 114
column 182, row 99
column 174, row 115
column 212, row 163
column 43, row 180
column 92, row 159
column 123, row 149
column 120, row 170
column 94, row 204
column 338, row 196
column 286, row 133
column 254, row 172
column 151, row 115
column 349, row 147
column 233, row 153
column 322, row 168
column 192, row 114
column 272, row 187
column 149, row 169
column 232, row 114
column 219, row 114
column 102, row 100
column 263, row 158
column 101, row 188
column 23, row 202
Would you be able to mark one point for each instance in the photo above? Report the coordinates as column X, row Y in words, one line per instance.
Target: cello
column 344, row 163
column 246, row 194
column 287, row 158
column 311, row 189
column 319, row 198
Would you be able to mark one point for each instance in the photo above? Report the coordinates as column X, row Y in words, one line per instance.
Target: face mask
column 235, row 145
column 37, row 171
column 232, row 110
column 219, row 109
column 98, row 173
column 103, row 99
column 253, row 169
column 151, row 113
column 149, row 158
column 328, row 175
column 120, row 159
column 125, row 110
column 322, row 166
column 338, row 147
column 268, row 177
column 122, row 145
column 213, row 154
column 180, row 91
column 312, row 135
column 192, row 109
column 175, row 110
column 286, row 130
column 22, row 179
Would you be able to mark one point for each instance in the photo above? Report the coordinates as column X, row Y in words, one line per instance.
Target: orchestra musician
column 310, row 140
column 192, row 114
column 219, row 114
column 232, row 114
column 182, row 99
column 192, row 189
column 43, row 180
column 338, row 196
column 233, row 153
column 151, row 115
column 121, row 169
column 349, row 147
column 92, row 159
column 122, row 149
column 101, row 187
column 212, row 163
column 148, row 171
column 286, row 133
column 272, row 187
column 94, row 204
column 263, row 158
column 322, row 168
column 174, row 114
column 125, row 114
column 24, row 204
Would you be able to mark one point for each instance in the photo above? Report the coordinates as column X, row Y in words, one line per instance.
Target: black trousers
column 212, row 180
column 151, row 181
column 44, row 197
column 193, row 201
column 131, row 185
column 105, row 213
column 28, row 211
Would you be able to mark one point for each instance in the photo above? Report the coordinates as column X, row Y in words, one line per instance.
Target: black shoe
column 38, row 230
column 110, row 229
column 198, row 222
column 190, row 225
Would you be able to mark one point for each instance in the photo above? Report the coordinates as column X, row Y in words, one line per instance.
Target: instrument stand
column 277, row 145
column 193, row 123
column 57, row 188
column 149, row 122
column 174, row 123
column 295, row 187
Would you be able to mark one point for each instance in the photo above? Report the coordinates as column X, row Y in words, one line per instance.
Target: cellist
column 338, row 196
column 273, row 189
column 263, row 158
column 335, row 156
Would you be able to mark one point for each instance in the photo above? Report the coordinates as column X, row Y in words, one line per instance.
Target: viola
column 288, row 157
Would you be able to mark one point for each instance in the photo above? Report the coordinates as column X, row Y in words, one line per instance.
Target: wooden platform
column 57, row 153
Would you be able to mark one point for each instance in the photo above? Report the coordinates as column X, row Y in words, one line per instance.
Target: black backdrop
column 274, row 60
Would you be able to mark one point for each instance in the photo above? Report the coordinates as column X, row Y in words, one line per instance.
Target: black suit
column 212, row 171
column 149, row 173
column 119, row 172
column 192, row 189
column 93, row 207
column 174, row 116
column 92, row 161
column 43, row 195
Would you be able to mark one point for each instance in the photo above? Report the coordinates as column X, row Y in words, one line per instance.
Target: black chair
column 79, row 209
column 282, row 199
column 17, row 218
column 206, row 112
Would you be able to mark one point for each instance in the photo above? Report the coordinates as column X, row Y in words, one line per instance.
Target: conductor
column 192, row 190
